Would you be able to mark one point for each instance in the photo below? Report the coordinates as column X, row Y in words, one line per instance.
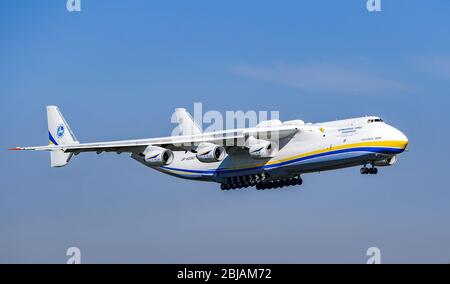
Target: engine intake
column 260, row 149
column 261, row 152
column 210, row 153
column 157, row 156
column 387, row 162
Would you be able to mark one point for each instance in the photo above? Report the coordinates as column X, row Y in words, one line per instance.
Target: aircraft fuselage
column 318, row 147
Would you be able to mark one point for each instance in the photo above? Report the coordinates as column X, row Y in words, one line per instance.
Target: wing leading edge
column 63, row 143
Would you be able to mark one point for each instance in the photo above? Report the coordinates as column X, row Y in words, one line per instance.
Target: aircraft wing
column 232, row 138
column 63, row 143
column 273, row 132
column 137, row 146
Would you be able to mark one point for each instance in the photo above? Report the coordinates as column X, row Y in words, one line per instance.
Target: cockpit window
column 375, row 120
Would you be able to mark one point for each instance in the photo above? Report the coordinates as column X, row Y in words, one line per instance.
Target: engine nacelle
column 157, row 156
column 210, row 153
column 261, row 149
column 387, row 162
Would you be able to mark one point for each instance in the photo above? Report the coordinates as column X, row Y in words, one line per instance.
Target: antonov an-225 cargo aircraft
column 273, row 154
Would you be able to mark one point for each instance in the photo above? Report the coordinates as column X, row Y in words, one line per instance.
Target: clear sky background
column 118, row 69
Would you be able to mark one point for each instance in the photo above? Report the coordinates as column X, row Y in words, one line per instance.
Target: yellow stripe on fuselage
column 387, row 144
column 390, row 144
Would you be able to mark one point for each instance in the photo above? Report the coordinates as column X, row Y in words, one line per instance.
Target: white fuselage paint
column 317, row 147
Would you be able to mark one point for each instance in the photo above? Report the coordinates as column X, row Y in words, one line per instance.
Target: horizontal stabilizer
column 59, row 159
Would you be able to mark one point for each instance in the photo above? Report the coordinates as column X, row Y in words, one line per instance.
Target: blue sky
column 119, row 68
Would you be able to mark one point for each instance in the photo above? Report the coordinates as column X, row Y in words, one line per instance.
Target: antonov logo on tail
column 273, row 154
column 60, row 131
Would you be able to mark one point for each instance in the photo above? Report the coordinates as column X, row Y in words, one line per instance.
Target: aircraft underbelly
column 217, row 171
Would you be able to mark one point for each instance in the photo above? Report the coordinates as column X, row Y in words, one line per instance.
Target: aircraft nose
column 401, row 138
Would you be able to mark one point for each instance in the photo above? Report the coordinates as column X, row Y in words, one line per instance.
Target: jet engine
column 157, row 156
column 387, row 162
column 210, row 153
column 260, row 149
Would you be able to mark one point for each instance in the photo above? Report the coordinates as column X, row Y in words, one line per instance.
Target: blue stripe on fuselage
column 382, row 150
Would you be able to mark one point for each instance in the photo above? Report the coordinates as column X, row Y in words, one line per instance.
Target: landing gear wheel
column 375, row 171
column 363, row 170
column 289, row 182
column 299, row 181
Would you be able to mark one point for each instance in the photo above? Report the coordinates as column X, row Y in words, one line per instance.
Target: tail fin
column 59, row 133
column 186, row 124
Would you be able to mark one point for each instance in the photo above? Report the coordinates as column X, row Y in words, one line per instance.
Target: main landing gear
column 261, row 182
column 279, row 183
column 365, row 170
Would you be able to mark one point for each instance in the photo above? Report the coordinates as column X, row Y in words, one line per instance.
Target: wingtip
column 15, row 149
